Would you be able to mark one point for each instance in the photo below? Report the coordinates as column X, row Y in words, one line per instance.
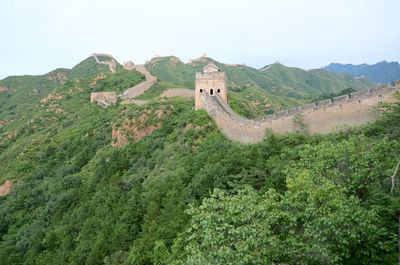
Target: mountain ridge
column 277, row 79
column 19, row 93
column 381, row 72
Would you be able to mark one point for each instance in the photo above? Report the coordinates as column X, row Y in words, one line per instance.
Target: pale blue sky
column 38, row 36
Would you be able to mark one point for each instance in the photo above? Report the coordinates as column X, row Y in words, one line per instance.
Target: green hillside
column 25, row 91
column 298, row 83
column 160, row 184
column 173, row 70
column 87, row 67
column 249, row 101
column 253, row 102
column 276, row 79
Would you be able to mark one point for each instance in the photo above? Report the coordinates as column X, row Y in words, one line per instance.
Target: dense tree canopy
column 313, row 222
column 187, row 194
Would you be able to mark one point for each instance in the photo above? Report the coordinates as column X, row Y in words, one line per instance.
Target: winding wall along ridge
column 130, row 94
column 141, row 88
column 111, row 65
column 321, row 117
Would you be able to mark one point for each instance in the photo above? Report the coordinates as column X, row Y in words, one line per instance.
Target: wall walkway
column 141, row 88
column 322, row 117
column 128, row 97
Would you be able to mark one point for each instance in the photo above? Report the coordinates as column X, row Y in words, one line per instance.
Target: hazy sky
column 38, row 36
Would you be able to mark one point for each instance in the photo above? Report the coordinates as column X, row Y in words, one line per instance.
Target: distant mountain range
column 382, row 72
column 275, row 78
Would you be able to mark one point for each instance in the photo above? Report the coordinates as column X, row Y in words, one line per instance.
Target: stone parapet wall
column 170, row 93
column 139, row 102
column 324, row 116
column 105, row 96
column 112, row 65
column 355, row 97
column 211, row 75
column 237, row 130
column 141, row 88
column 178, row 92
column 95, row 55
column 129, row 65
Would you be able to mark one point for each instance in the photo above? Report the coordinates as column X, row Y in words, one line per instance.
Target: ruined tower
column 212, row 82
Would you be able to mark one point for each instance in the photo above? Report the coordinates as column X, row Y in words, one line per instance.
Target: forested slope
column 176, row 191
column 21, row 92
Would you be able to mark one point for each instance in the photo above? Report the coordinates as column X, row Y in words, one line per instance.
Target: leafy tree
column 389, row 124
column 356, row 164
column 312, row 223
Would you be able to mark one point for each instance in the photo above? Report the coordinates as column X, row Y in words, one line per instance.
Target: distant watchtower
column 212, row 82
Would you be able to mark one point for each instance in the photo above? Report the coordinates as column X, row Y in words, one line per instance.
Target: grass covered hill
column 253, row 102
column 382, row 72
column 159, row 184
column 276, row 78
column 21, row 93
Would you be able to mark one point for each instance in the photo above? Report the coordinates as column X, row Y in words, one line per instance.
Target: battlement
column 379, row 91
column 324, row 116
column 211, row 75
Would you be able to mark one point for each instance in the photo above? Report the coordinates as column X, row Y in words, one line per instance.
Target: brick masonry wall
column 207, row 81
column 141, row 88
column 322, row 117
column 178, row 92
column 106, row 96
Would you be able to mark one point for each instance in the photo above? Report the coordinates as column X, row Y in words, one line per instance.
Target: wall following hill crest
column 112, row 64
column 322, row 117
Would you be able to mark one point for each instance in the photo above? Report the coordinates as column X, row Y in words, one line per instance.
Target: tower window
column 211, row 91
column 218, row 90
column 201, row 90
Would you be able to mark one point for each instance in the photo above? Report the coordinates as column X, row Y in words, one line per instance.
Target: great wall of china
column 112, row 64
column 129, row 96
column 141, row 88
column 322, row 117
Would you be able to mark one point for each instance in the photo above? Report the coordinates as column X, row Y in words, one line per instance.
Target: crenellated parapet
column 378, row 92
column 325, row 116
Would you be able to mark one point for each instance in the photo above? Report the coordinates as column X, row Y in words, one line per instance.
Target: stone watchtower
column 212, row 82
